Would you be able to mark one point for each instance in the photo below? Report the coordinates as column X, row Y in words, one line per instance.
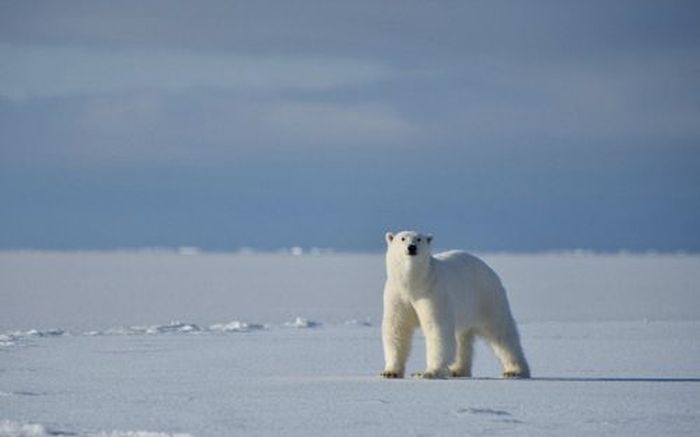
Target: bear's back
column 474, row 287
column 459, row 259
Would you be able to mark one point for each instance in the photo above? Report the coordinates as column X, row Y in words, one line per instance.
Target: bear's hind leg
column 509, row 351
column 462, row 367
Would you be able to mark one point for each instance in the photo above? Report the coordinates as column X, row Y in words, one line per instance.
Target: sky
column 494, row 125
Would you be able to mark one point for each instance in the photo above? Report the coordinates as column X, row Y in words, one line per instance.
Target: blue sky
column 495, row 125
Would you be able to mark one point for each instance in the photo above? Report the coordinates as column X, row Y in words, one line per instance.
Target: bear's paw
column 429, row 374
column 515, row 375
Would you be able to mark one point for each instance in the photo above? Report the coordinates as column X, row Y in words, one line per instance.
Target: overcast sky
column 495, row 125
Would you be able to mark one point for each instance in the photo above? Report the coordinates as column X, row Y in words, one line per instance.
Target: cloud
column 636, row 98
column 36, row 71
column 347, row 124
column 191, row 128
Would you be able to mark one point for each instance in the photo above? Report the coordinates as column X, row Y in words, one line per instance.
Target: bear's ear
column 429, row 237
column 389, row 237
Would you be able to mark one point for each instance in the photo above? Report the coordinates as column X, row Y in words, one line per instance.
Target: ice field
column 161, row 343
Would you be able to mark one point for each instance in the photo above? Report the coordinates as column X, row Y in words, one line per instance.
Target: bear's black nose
column 412, row 249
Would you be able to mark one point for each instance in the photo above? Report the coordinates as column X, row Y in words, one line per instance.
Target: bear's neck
column 412, row 273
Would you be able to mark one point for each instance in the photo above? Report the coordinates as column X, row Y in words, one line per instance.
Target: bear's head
column 409, row 244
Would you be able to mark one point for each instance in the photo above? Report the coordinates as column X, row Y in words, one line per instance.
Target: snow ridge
column 15, row 338
column 15, row 429
column 12, row 338
column 9, row 428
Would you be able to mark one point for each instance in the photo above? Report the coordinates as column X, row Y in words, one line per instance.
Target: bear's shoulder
column 460, row 259
column 456, row 255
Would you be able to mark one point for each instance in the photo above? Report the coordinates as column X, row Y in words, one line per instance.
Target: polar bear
column 453, row 297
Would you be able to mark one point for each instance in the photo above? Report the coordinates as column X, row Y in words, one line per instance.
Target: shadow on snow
column 595, row 379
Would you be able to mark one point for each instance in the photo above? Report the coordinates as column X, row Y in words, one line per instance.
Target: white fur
column 453, row 297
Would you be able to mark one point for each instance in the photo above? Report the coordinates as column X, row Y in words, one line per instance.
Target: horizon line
column 297, row 250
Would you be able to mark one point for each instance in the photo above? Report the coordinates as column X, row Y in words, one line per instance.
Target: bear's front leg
column 398, row 324
column 437, row 322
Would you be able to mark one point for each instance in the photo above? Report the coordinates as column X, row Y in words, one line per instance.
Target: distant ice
column 10, row 428
column 7, row 340
column 136, row 434
column 14, row 338
column 236, row 326
column 174, row 327
column 361, row 323
column 15, row 429
column 301, row 323
column 188, row 250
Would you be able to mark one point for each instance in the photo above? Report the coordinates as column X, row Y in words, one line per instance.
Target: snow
column 15, row 429
column 301, row 322
column 235, row 326
column 159, row 344
column 8, row 428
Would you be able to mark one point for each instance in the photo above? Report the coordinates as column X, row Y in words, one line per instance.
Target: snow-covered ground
column 275, row 344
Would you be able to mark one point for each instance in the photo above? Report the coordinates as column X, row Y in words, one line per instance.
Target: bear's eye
column 403, row 238
column 419, row 240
